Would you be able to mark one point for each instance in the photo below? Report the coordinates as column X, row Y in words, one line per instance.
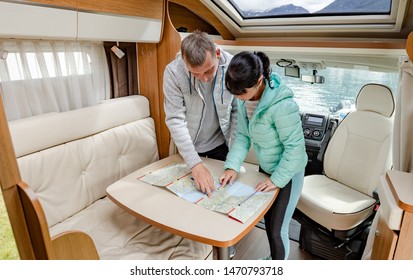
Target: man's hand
column 203, row 179
column 228, row 177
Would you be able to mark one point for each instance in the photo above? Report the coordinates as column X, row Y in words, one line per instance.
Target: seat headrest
column 376, row 98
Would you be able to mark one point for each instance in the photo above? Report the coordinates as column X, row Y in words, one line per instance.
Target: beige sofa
column 69, row 159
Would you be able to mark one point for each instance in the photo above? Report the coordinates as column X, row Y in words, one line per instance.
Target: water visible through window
column 340, row 88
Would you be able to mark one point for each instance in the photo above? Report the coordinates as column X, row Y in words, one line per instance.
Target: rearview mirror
column 313, row 78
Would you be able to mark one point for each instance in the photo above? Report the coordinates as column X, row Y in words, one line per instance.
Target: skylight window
column 272, row 16
column 309, row 8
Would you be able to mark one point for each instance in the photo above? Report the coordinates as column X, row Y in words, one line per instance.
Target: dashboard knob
column 307, row 132
column 316, row 133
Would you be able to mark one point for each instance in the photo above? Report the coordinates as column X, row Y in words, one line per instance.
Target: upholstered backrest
column 69, row 158
column 360, row 149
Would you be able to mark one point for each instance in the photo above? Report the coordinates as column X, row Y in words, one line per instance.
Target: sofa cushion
column 52, row 129
column 71, row 176
column 119, row 235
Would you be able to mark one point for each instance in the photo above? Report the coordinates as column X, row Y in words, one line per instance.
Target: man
column 200, row 111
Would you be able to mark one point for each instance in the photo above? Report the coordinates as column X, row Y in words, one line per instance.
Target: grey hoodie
column 185, row 107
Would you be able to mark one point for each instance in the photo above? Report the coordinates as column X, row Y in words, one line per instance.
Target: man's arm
column 175, row 119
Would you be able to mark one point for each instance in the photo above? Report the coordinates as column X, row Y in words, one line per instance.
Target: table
column 163, row 209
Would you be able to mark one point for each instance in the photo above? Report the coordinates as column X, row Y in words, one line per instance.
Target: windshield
column 339, row 91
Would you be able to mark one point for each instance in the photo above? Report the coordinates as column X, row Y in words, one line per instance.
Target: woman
column 269, row 117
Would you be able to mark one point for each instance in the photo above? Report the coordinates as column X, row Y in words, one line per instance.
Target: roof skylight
column 308, row 8
column 272, row 16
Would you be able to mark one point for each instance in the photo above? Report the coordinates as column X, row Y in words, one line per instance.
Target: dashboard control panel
column 317, row 129
column 314, row 126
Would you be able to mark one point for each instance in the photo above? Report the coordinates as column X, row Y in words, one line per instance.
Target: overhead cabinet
column 101, row 27
column 28, row 21
column 23, row 19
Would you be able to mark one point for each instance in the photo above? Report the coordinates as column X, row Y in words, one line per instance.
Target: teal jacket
column 275, row 130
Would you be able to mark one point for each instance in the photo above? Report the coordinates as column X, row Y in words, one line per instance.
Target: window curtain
column 123, row 71
column 38, row 77
column 403, row 130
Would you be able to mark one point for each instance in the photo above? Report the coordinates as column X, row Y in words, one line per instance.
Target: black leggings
column 274, row 220
column 219, row 152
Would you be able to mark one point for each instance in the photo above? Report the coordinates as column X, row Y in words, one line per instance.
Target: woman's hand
column 265, row 186
column 228, row 177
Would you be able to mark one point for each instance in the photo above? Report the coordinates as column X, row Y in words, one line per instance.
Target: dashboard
column 314, row 128
column 317, row 129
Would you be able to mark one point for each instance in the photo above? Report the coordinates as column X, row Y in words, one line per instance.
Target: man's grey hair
column 195, row 46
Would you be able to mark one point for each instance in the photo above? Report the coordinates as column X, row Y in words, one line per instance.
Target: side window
column 38, row 77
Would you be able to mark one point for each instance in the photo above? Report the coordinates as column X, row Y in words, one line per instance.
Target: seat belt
column 331, row 127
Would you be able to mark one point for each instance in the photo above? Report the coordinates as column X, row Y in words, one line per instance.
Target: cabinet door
column 404, row 250
column 384, row 241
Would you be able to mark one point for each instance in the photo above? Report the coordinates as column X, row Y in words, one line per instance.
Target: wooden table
column 162, row 208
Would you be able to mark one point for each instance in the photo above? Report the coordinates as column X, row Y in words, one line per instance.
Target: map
column 239, row 201
column 166, row 175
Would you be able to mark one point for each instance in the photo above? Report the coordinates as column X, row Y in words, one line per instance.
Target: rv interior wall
column 403, row 133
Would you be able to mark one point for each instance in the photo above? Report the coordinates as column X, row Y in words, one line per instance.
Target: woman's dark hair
column 245, row 69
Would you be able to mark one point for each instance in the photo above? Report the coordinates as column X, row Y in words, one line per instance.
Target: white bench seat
column 70, row 158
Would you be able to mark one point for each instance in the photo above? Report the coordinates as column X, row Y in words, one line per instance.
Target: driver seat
column 340, row 204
